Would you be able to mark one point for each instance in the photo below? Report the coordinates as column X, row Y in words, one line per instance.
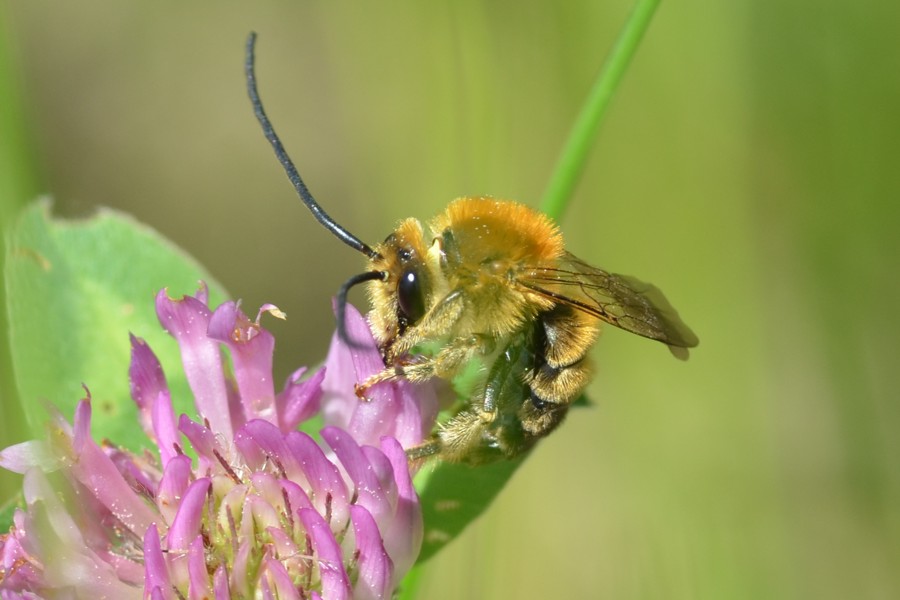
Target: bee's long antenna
column 342, row 304
column 286, row 162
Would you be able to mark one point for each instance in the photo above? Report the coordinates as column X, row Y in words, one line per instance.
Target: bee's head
column 401, row 296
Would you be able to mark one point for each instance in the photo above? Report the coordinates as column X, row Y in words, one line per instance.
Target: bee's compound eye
column 409, row 296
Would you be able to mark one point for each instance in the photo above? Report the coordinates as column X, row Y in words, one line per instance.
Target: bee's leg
column 436, row 322
column 425, row 450
column 458, row 440
column 393, row 373
column 360, row 389
column 433, row 325
column 451, row 359
column 446, row 364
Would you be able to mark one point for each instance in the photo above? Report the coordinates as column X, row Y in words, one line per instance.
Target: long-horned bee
column 490, row 282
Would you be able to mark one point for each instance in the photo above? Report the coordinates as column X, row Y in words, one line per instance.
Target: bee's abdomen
column 563, row 337
column 560, row 385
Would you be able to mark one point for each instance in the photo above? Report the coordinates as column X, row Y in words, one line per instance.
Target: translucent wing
column 619, row 300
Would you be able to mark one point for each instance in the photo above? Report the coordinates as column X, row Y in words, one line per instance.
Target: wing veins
column 644, row 310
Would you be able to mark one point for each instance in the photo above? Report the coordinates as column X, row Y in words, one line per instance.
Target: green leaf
column 455, row 495
column 8, row 511
column 75, row 290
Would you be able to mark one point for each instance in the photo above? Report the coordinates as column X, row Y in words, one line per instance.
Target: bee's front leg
column 360, row 389
column 446, row 364
column 411, row 368
column 449, row 361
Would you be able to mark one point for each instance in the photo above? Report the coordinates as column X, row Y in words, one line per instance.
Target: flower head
column 400, row 409
column 262, row 510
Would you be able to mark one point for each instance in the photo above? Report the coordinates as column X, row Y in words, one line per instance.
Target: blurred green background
column 748, row 167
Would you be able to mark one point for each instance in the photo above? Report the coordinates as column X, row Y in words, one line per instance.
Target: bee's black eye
column 409, row 297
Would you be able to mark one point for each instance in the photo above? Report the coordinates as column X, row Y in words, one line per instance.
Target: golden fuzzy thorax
column 487, row 229
column 486, row 244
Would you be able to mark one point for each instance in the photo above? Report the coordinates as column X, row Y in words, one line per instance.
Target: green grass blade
column 575, row 152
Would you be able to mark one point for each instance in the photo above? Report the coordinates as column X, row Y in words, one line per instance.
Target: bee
column 492, row 282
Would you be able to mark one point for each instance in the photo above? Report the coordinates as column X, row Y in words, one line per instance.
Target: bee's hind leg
column 428, row 448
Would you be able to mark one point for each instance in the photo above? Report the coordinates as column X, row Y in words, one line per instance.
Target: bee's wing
column 619, row 300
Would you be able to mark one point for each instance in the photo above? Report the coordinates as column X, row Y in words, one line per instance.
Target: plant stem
column 575, row 152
